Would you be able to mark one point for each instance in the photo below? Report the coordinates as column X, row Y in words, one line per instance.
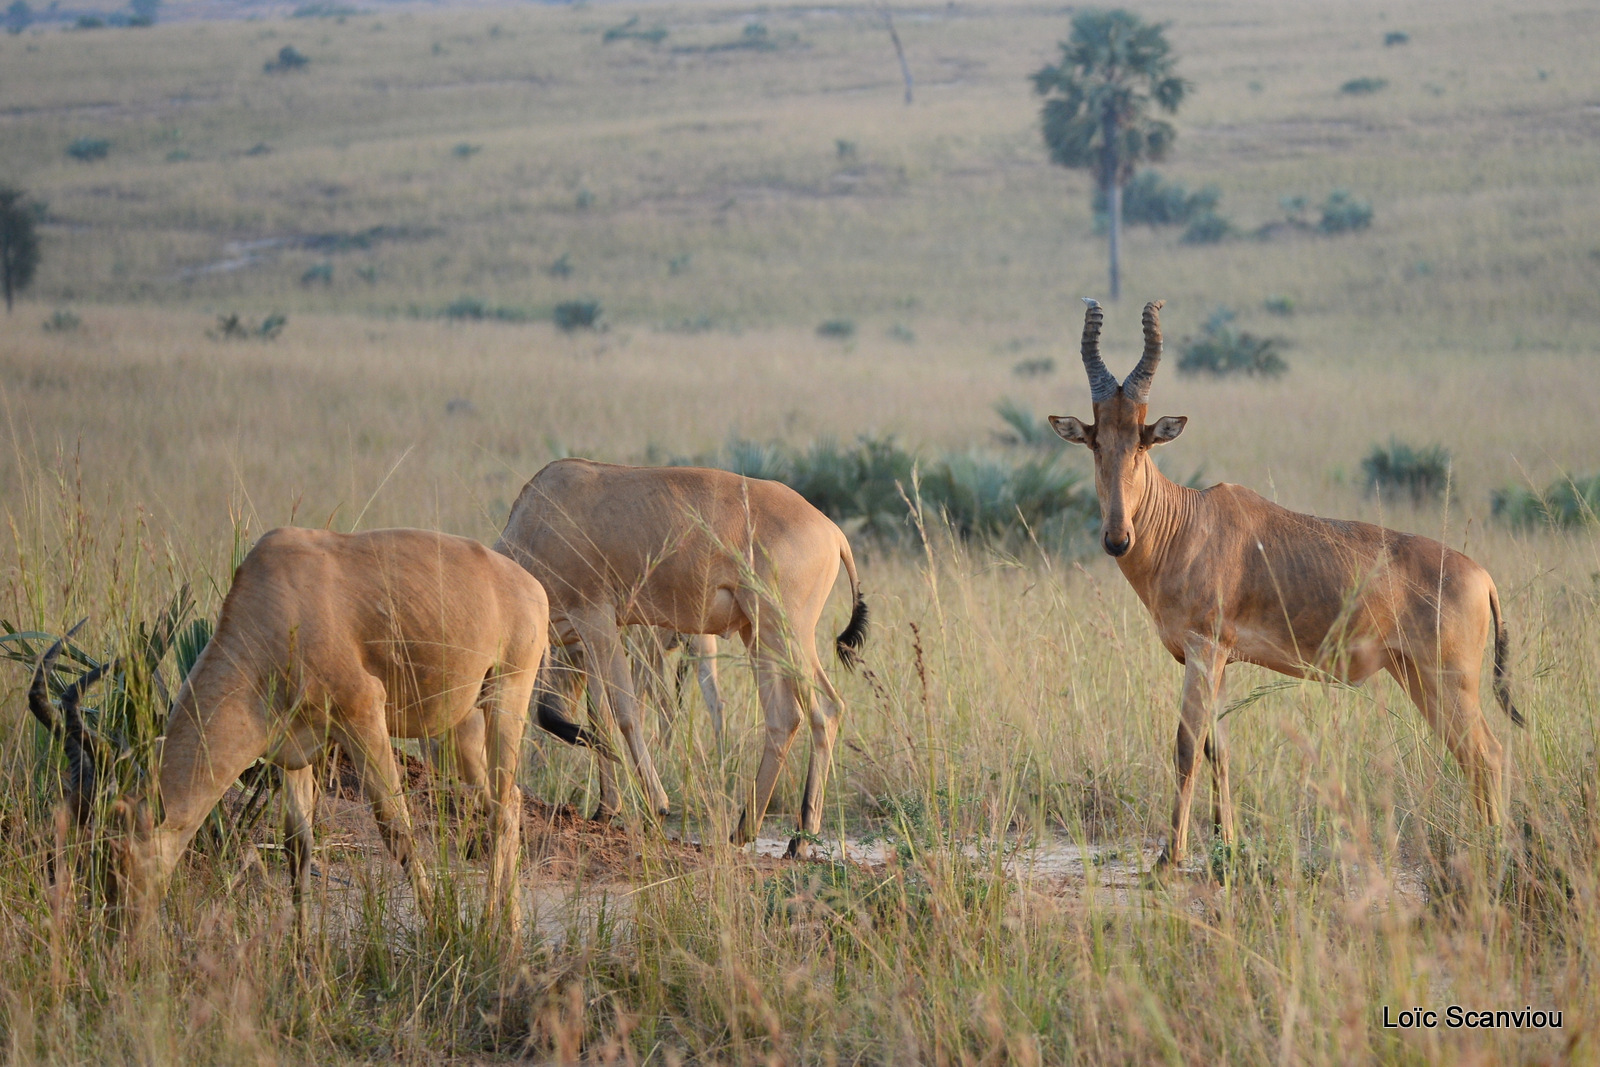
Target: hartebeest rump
column 1229, row 576
column 354, row 638
column 694, row 551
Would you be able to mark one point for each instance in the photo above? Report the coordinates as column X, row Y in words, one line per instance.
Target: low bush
column 631, row 31
column 573, row 315
column 88, row 149
column 1207, row 228
column 1421, row 472
column 1342, row 213
column 1037, row 367
column 232, row 327
column 1153, row 201
column 62, row 321
column 1221, row 350
column 1026, row 428
column 471, row 309
column 979, row 497
column 1567, row 501
column 289, row 58
column 1278, row 305
column 838, row 329
column 318, row 274
column 1363, row 86
column 1394, row 37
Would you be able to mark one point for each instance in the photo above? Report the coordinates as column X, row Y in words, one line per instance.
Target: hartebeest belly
column 693, row 551
column 1231, row 577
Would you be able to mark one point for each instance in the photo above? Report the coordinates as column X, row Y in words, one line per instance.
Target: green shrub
column 318, row 274
column 1150, row 200
column 1363, row 86
column 289, row 58
column 1567, row 501
column 838, row 329
column 981, row 498
column 90, row 22
column 902, row 333
column 88, row 149
column 1342, row 213
column 561, row 266
column 232, row 327
column 1026, row 427
column 471, row 309
column 1394, row 37
column 1037, row 367
column 62, row 321
column 1278, row 305
column 1420, row 472
column 630, row 31
column 1207, row 228
column 19, row 15
column 1221, row 350
column 464, row 150
column 577, row 314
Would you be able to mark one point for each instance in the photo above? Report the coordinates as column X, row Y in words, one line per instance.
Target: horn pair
column 1102, row 383
column 80, row 744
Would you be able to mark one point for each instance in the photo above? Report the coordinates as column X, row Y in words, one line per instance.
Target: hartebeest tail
column 847, row 646
column 1502, row 651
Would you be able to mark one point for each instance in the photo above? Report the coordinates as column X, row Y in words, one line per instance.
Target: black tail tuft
column 1502, row 677
column 1502, row 653
column 552, row 721
column 848, row 644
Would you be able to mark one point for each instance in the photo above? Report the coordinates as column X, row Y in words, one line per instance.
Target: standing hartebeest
column 1229, row 576
column 694, row 551
column 354, row 638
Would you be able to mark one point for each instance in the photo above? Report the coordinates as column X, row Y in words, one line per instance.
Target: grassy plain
column 702, row 194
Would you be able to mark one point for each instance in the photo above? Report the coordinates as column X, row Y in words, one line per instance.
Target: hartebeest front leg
column 1204, row 662
column 366, row 739
column 299, row 807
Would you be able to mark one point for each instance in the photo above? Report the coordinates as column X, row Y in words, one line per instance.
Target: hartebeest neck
column 1162, row 513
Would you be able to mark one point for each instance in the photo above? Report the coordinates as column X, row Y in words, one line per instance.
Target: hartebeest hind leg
column 602, row 648
column 1448, row 700
column 299, row 807
column 1221, row 792
column 503, row 719
column 780, row 705
column 1204, row 663
column 825, row 710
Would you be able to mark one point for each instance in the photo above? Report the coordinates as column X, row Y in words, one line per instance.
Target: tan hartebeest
column 693, row 551
column 1231, row 577
column 354, row 638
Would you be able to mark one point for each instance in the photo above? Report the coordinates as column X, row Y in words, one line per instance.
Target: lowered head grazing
column 1119, row 437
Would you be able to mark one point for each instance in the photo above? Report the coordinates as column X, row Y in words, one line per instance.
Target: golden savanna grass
column 703, row 196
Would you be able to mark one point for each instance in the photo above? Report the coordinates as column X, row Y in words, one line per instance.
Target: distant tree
column 19, row 243
column 144, row 11
column 18, row 16
column 1097, row 111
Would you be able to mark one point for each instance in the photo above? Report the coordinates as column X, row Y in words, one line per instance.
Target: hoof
column 664, row 812
column 603, row 814
column 799, row 849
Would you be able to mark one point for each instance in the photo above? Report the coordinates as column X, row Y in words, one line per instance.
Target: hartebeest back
column 693, row 551
column 354, row 638
column 1231, row 577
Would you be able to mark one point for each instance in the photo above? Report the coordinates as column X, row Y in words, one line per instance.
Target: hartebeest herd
column 361, row 638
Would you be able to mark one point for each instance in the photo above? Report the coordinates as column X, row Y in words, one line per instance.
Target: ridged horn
column 75, row 736
column 1136, row 386
column 1102, row 383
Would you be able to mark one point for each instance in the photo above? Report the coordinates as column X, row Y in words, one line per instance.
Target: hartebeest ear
column 1070, row 429
column 1164, row 429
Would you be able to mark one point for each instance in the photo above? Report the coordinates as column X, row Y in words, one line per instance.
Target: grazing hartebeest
column 1231, row 577
column 355, row 638
column 694, row 551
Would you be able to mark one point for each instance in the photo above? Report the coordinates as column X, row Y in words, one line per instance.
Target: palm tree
column 19, row 243
column 1096, row 114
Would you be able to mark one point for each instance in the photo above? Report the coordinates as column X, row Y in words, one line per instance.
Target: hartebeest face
column 1119, row 437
